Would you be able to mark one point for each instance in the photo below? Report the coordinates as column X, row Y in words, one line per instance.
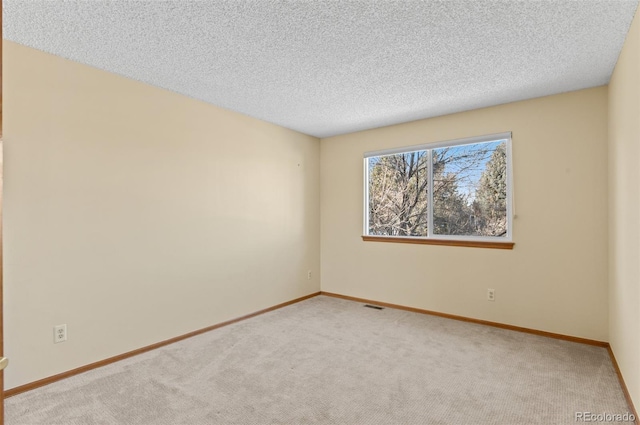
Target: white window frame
column 429, row 147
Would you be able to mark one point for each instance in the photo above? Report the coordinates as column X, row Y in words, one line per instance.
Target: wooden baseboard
column 51, row 379
column 470, row 320
column 625, row 390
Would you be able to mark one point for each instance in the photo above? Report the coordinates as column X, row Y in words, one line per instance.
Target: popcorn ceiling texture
column 331, row 67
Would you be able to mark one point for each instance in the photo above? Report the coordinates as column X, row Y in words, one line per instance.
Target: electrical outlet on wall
column 491, row 294
column 59, row 333
column 309, row 275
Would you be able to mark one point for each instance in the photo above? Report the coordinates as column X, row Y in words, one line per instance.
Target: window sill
column 447, row 242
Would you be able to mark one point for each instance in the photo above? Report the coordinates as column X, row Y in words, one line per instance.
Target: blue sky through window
column 468, row 162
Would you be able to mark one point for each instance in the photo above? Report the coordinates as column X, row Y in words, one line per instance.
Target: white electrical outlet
column 59, row 333
column 309, row 275
column 491, row 294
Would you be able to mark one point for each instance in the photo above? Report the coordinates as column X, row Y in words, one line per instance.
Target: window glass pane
column 470, row 190
column 398, row 194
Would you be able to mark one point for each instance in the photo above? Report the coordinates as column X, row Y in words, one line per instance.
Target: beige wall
column 624, row 211
column 554, row 280
column 133, row 214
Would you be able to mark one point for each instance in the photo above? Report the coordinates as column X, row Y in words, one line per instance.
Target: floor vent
column 375, row 307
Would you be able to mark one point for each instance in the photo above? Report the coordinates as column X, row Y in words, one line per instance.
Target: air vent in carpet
column 374, row 307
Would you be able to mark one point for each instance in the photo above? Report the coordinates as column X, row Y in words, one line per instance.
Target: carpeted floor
column 331, row 361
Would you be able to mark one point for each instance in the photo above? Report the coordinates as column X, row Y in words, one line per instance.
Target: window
column 451, row 191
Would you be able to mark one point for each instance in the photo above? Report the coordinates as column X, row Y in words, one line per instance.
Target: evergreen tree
column 490, row 205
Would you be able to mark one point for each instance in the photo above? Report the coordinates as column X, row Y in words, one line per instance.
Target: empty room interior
column 320, row 212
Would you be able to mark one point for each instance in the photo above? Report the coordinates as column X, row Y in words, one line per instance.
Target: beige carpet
column 330, row 361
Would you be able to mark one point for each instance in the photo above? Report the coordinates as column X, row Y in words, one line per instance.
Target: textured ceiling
column 332, row 67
